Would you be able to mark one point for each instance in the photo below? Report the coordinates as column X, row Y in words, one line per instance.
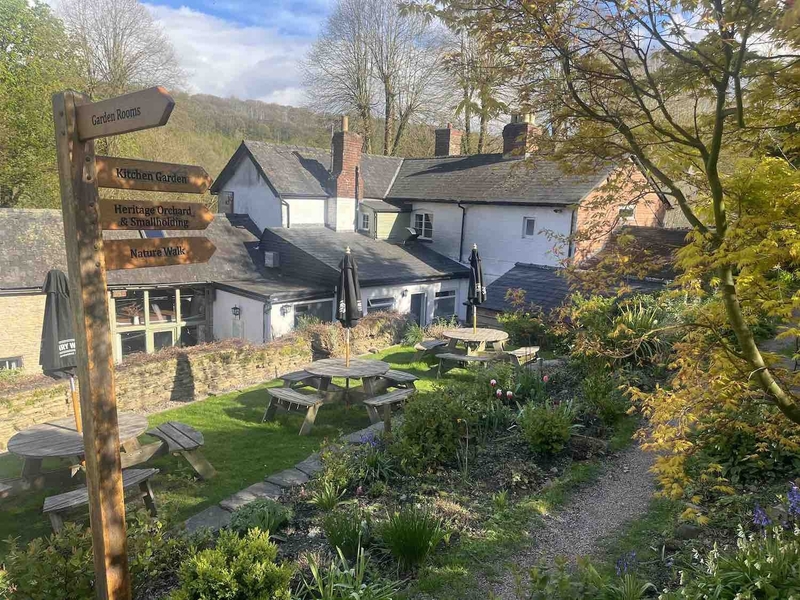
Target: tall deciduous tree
column 36, row 60
column 120, row 46
column 683, row 87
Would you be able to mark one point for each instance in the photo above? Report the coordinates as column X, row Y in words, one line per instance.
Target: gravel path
column 594, row 512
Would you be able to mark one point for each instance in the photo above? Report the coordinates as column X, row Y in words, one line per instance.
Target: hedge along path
column 620, row 495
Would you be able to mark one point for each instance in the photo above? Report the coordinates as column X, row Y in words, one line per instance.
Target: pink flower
column 493, row 382
column 509, row 394
column 546, row 378
column 499, row 393
column 359, row 491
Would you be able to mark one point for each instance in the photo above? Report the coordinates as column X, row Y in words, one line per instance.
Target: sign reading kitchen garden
column 130, row 174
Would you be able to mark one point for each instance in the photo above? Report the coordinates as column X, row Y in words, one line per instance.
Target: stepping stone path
column 218, row 516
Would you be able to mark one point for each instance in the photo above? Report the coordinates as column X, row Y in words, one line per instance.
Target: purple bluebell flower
column 626, row 563
column 794, row 500
column 760, row 517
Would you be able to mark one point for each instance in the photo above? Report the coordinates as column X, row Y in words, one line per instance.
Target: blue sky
column 243, row 48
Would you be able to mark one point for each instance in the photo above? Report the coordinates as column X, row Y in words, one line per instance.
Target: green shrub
column 326, row 495
column 602, row 397
column 764, row 565
column 430, row 432
column 348, row 531
column 61, row 565
column 370, row 463
column 529, row 386
column 263, row 514
column 238, row 568
column 410, row 535
column 546, row 427
column 336, row 467
column 5, row 586
column 340, row 580
column 526, row 324
column 413, row 334
column 559, row 583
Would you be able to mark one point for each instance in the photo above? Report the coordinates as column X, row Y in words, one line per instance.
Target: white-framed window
column 627, row 212
column 376, row 304
column 364, row 223
column 423, row 225
column 444, row 304
column 12, row 362
column 528, row 227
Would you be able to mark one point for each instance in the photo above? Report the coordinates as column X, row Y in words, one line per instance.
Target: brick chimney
column 448, row 141
column 347, row 183
column 519, row 136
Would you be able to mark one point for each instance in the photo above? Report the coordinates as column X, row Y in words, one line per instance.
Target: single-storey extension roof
column 381, row 206
column 492, row 178
column 313, row 254
column 304, row 172
column 32, row 243
column 654, row 247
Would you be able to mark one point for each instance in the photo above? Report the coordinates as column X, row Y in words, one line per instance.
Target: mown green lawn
column 242, row 449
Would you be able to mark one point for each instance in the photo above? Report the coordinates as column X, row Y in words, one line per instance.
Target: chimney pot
column 345, row 122
column 519, row 136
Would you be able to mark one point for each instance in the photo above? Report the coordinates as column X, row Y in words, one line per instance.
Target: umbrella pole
column 474, row 319
column 347, row 348
column 76, row 407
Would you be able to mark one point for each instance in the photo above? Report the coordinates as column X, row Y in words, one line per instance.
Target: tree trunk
column 366, row 125
column 467, row 123
column 484, row 130
column 388, row 124
column 750, row 351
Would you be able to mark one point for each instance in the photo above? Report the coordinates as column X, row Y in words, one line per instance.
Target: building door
column 418, row 309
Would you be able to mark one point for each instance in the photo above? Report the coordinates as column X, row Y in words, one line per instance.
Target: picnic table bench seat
column 56, row 506
column 386, row 402
column 428, row 347
column 396, row 379
column 5, row 489
column 464, row 359
column 522, row 356
column 180, row 438
column 293, row 400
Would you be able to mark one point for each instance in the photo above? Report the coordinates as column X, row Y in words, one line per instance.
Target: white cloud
column 229, row 59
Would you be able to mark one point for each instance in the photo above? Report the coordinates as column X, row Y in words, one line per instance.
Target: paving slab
column 288, row 478
column 310, row 466
column 262, row 489
column 213, row 518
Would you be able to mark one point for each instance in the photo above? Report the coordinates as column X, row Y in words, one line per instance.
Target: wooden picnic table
column 60, row 439
column 368, row 371
column 475, row 341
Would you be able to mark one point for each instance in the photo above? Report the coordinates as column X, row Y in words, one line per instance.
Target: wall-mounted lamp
column 285, row 310
column 558, row 211
column 404, row 293
column 236, row 311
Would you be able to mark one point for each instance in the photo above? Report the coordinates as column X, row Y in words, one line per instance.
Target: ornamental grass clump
column 411, row 535
column 347, row 531
column 263, row 514
column 342, row 580
column 546, row 427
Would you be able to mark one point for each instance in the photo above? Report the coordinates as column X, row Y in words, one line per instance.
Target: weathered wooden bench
column 5, row 489
column 293, row 400
column 300, row 378
column 522, row 356
column 394, row 379
column 386, row 402
column 463, row 359
column 427, row 347
column 56, row 506
column 179, row 438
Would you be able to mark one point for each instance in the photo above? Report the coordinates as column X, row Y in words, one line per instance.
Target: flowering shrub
column 764, row 565
column 546, row 427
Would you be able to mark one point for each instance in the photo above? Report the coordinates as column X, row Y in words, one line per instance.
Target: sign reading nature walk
column 139, row 214
column 131, row 112
column 159, row 252
column 130, row 174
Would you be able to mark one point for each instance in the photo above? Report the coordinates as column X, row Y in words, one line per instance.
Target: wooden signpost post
column 77, row 123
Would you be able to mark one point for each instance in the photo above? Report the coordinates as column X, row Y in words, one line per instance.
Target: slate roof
column 314, row 254
column 654, row 246
column 490, row 178
column 32, row 243
column 544, row 286
column 384, row 207
column 302, row 171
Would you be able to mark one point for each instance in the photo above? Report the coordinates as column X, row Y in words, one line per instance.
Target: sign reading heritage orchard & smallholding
column 123, row 114
column 140, row 214
column 131, row 174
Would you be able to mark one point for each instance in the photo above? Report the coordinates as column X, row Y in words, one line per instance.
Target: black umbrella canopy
column 57, row 356
column 476, row 294
column 348, row 293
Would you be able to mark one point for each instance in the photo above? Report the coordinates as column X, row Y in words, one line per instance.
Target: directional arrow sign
column 158, row 252
column 123, row 114
column 130, row 174
column 138, row 214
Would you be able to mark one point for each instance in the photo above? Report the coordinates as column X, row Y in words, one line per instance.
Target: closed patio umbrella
column 348, row 298
column 476, row 294
column 57, row 355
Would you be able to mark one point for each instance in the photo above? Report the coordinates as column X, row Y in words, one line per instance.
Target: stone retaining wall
column 149, row 382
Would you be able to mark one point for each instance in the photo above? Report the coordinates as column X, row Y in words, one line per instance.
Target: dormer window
column 364, row 223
